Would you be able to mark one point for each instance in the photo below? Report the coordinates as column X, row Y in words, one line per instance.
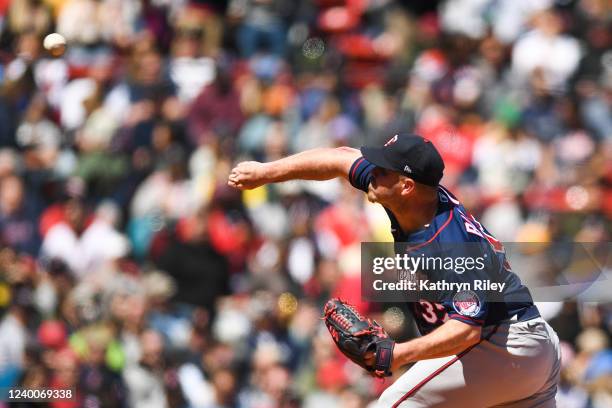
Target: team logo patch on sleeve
column 466, row 303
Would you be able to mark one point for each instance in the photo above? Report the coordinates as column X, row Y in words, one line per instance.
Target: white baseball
column 54, row 42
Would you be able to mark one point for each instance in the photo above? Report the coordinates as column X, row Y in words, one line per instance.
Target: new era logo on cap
column 410, row 155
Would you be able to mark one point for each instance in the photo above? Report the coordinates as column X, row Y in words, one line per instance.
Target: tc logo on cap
column 391, row 141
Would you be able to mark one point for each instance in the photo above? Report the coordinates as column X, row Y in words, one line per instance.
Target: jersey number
column 432, row 313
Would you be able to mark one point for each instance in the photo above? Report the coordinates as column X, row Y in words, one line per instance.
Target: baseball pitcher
column 473, row 352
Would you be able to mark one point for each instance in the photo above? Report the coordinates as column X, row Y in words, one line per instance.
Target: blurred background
column 131, row 272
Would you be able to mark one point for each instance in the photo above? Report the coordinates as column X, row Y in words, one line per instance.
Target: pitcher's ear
column 408, row 185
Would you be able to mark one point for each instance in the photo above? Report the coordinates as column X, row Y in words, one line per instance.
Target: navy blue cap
column 410, row 155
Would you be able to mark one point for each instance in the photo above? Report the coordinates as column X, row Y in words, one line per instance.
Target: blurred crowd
column 131, row 273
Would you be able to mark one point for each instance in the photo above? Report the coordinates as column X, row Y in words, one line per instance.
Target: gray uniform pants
column 518, row 367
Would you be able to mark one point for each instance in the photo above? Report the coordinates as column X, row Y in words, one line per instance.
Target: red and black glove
column 357, row 336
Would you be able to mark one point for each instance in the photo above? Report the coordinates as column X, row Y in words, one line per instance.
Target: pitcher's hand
column 248, row 175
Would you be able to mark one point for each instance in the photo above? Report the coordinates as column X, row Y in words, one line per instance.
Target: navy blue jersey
column 458, row 234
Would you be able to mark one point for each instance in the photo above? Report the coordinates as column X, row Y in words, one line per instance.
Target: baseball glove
column 355, row 336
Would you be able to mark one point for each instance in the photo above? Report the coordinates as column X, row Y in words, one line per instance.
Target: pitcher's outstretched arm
column 314, row 164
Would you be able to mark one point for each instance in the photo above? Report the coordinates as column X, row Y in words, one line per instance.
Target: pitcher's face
column 386, row 186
